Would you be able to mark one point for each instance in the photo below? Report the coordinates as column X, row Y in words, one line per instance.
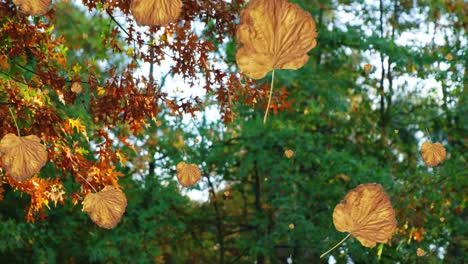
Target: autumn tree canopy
column 115, row 115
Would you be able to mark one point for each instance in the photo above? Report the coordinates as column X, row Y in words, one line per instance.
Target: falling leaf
column 155, row 12
column 33, row 7
column 420, row 252
column 289, row 153
column 188, row 174
column 22, row 156
column 432, row 154
column 105, row 207
column 273, row 34
column 76, row 87
column 367, row 67
column 367, row 214
column 449, row 57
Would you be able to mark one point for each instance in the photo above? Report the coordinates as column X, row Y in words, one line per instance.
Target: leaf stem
column 269, row 98
column 339, row 243
column 428, row 135
column 88, row 183
column 14, row 119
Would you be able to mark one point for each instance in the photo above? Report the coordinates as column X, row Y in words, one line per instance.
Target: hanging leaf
column 155, row 12
column 33, row 7
column 433, row 154
column 367, row 214
column 273, row 34
column 105, row 207
column 188, row 174
column 22, row 156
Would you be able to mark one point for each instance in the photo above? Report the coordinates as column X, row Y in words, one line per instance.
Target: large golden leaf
column 433, row 154
column 105, row 207
column 22, row 156
column 33, row 7
column 273, row 34
column 155, row 12
column 188, row 174
column 367, row 214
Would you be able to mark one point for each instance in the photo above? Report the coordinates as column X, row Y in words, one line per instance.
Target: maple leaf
column 22, row 156
column 273, row 34
column 155, row 12
column 105, row 207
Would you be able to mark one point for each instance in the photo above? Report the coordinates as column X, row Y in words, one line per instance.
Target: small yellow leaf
column 289, row 153
column 76, row 87
column 367, row 67
column 449, row 57
column 420, row 252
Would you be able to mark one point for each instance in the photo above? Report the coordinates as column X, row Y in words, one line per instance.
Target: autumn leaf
column 367, row 214
column 433, row 154
column 22, row 156
column 155, row 12
column 76, row 87
column 289, row 153
column 105, row 207
column 367, row 67
column 420, row 252
column 188, row 174
column 33, row 7
column 273, row 34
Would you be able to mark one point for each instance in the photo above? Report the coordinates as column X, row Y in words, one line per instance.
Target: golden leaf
column 420, row 252
column 273, row 34
column 76, row 87
column 367, row 214
column 188, row 174
column 33, row 7
column 22, row 156
column 155, row 12
column 367, row 67
column 289, row 153
column 105, row 207
column 433, row 154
